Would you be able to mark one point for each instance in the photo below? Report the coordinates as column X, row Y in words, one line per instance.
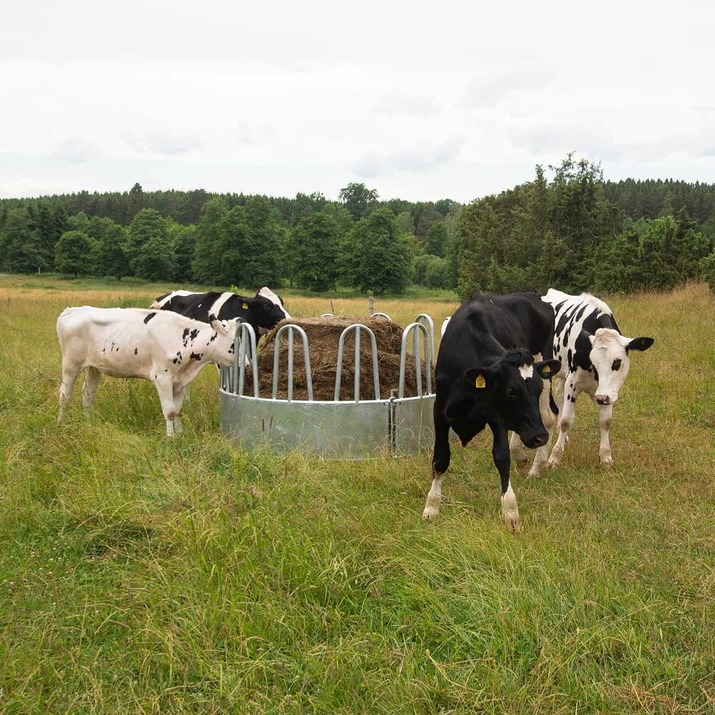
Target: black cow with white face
column 594, row 359
column 262, row 312
column 486, row 375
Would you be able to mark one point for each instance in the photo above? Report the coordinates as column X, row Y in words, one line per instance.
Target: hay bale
column 323, row 336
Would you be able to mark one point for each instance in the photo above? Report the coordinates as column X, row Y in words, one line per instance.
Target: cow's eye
column 616, row 364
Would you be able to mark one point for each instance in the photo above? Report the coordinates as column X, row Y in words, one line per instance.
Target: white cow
column 594, row 358
column 161, row 346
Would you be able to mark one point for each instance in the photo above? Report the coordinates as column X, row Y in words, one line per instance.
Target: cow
column 161, row 346
column 486, row 375
column 262, row 312
column 594, row 359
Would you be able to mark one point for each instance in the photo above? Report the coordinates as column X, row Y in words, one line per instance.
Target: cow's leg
column 92, row 376
column 180, row 395
column 165, row 390
column 500, row 453
column 440, row 463
column 605, row 412
column 549, row 418
column 568, row 415
column 518, row 453
column 69, row 377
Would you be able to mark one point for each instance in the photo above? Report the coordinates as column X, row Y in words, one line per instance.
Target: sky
column 418, row 101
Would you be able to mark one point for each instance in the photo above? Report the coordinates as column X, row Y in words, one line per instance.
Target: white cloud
column 166, row 144
column 77, row 149
column 412, row 159
column 396, row 102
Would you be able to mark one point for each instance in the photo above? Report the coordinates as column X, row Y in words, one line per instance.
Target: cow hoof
column 430, row 512
column 607, row 463
column 513, row 523
column 555, row 458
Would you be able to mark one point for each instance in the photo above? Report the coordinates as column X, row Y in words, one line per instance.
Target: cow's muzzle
column 536, row 441
column 603, row 399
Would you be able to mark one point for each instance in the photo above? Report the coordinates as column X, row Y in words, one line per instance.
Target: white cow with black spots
column 161, row 346
column 594, row 359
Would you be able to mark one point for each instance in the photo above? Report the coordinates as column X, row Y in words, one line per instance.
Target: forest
column 568, row 227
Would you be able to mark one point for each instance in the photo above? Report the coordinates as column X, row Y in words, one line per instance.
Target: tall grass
column 142, row 575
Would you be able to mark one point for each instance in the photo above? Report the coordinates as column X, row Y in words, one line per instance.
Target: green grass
column 141, row 575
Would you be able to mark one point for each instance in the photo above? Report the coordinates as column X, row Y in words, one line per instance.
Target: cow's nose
column 603, row 399
column 541, row 440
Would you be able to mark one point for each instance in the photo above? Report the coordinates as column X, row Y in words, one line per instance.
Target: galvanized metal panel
column 334, row 430
column 413, row 424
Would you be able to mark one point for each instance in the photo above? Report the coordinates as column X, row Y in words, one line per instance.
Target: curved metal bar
column 291, row 328
column 380, row 315
column 426, row 320
column 239, row 359
column 415, row 329
column 357, row 327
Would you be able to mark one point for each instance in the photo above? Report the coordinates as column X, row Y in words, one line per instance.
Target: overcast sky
column 418, row 101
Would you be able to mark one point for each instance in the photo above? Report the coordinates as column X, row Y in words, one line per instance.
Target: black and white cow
column 166, row 348
column 594, row 359
column 262, row 312
column 486, row 375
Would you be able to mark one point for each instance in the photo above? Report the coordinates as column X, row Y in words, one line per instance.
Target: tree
column 425, row 216
column 262, row 258
column 431, row 271
column 51, row 224
column 108, row 255
column 707, row 269
column 306, row 204
column 136, row 201
column 313, row 252
column 381, row 257
column 21, row 249
column 243, row 246
column 149, row 246
column 436, row 239
column 184, row 238
column 210, row 241
column 73, row 252
column 358, row 200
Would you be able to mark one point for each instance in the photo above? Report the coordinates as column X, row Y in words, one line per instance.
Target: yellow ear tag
column 546, row 369
column 480, row 382
column 244, row 306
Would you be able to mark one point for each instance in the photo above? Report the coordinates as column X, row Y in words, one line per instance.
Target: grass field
column 143, row 575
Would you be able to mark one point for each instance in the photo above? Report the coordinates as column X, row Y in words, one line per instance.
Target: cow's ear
column 547, row 368
column 640, row 343
column 480, row 379
column 217, row 325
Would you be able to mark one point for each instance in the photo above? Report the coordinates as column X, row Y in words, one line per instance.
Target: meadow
column 146, row 575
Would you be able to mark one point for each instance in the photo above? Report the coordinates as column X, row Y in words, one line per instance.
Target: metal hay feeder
column 338, row 428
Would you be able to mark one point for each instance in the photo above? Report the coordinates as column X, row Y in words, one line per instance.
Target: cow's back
column 196, row 306
column 486, row 325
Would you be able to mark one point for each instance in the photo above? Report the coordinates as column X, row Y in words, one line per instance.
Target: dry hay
column 323, row 337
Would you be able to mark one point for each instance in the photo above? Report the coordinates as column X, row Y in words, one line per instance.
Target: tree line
column 567, row 228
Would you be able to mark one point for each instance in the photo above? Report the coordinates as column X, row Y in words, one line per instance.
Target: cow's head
column 609, row 357
column 264, row 313
column 266, row 292
column 511, row 387
column 224, row 344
